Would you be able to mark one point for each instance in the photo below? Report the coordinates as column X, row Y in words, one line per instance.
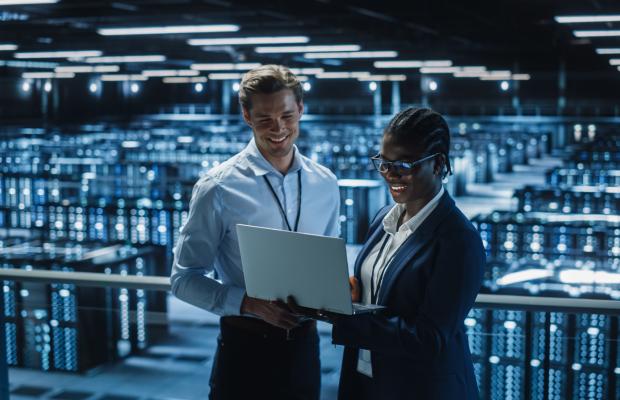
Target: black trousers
column 255, row 360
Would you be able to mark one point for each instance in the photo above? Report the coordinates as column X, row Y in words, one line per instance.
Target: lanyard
column 374, row 291
column 275, row 196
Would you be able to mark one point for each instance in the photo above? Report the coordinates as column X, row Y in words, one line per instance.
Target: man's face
column 274, row 119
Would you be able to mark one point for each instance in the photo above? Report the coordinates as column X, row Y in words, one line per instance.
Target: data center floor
column 179, row 368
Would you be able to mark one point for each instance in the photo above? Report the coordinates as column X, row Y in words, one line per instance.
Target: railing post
column 4, row 370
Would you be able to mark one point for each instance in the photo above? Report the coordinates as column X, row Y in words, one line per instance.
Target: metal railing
column 547, row 305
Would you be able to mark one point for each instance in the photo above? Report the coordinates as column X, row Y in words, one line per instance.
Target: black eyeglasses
column 399, row 167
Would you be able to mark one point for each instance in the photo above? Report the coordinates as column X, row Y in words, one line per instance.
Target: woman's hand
column 355, row 289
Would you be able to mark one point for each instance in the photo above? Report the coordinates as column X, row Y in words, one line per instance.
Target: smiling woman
column 423, row 261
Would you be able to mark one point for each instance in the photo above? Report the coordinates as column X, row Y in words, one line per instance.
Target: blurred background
column 111, row 110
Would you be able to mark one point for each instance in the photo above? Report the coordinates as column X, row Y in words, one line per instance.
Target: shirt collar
column 260, row 166
column 390, row 221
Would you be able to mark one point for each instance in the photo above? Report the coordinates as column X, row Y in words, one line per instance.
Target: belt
column 260, row 328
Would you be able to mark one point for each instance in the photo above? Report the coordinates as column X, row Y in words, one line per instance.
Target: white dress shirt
column 395, row 238
column 235, row 192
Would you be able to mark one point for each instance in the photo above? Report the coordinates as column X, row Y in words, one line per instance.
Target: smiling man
column 264, row 351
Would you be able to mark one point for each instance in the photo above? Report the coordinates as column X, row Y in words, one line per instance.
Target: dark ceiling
column 519, row 35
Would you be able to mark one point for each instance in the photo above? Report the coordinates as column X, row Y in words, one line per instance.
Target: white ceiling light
column 520, row 77
column 439, row 70
column 307, row 49
column 614, row 61
column 169, row 72
column 59, row 54
column 353, row 54
column 195, row 79
column 87, row 68
column 166, row 30
column 575, row 19
column 224, row 66
column 342, row 75
column 412, row 64
column 126, row 59
column 47, row 86
column 28, row 64
column 248, row 40
column 383, row 78
column 608, row 51
column 468, row 74
column 48, row 75
column 22, row 2
column 307, row 71
column 225, row 76
column 606, row 33
column 122, row 77
column 7, row 47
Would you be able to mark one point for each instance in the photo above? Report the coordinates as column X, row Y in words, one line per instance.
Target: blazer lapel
column 413, row 244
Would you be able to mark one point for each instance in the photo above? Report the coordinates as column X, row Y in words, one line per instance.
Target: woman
column 423, row 260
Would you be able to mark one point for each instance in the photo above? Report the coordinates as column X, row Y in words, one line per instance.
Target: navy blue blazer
column 419, row 345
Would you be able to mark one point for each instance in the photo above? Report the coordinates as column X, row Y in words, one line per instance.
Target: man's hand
column 273, row 312
column 355, row 289
column 320, row 315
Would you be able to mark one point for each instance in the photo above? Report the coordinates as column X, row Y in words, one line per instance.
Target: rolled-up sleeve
column 196, row 251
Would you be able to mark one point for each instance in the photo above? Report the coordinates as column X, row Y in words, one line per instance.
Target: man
column 264, row 350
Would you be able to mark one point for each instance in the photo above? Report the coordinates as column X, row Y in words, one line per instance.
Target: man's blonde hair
column 268, row 79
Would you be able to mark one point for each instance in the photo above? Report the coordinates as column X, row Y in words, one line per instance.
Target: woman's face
column 423, row 181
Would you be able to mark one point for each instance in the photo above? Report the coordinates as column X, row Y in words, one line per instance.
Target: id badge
column 363, row 363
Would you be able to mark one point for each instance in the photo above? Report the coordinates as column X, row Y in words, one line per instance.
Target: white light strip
column 521, row 77
column 248, row 40
column 126, row 59
column 8, row 47
column 524, row 276
column 165, row 30
column 307, row 49
column 412, row 64
column 614, row 61
column 22, row 2
column 195, row 79
column 585, row 34
column 586, row 18
column 87, row 68
column 225, row 67
column 439, row 70
column 342, row 75
column 470, row 74
column 353, row 54
column 225, row 76
column 122, row 77
column 383, row 78
column 608, row 51
column 28, row 64
column 59, row 54
column 47, row 75
column 169, row 72
column 308, row 71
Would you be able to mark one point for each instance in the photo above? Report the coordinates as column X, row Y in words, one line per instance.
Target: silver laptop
column 311, row 268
